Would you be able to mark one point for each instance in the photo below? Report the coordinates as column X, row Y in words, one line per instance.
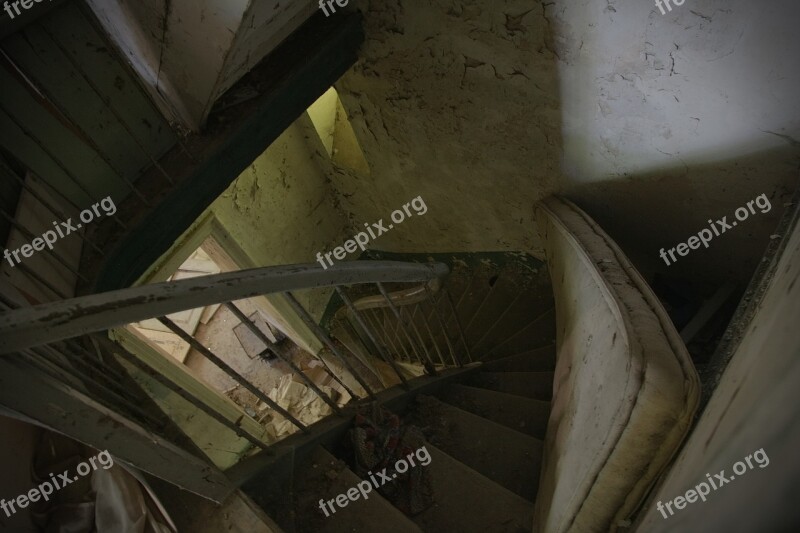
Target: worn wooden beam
column 65, row 410
column 288, row 81
column 34, row 326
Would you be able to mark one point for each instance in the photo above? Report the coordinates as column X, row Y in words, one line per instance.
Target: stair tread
column 325, row 477
column 534, row 385
column 542, row 359
column 502, row 454
column 496, row 300
column 539, row 332
column 474, row 294
column 465, row 500
column 536, row 360
column 513, row 301
column 519, row 413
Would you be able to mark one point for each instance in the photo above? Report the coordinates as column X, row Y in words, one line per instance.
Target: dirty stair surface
column 484, row 430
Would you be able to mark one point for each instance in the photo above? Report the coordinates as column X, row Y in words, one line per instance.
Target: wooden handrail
column 33, row 326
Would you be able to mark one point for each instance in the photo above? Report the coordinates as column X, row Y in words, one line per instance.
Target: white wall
column 641, row 91
column 484, row 108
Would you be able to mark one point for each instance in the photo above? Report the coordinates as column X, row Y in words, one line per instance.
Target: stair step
column 538, row 360
column 505, row 456
column 510, row 307
column 474, row 286
column 535, row 385
column 521, row 414
column 325, row 477
column 468, row 501
column 539, row 332
column 496, row 301
column 457, row 282
column 475, row 293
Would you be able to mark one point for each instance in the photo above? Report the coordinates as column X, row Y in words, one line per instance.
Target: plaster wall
column 282, row 210
column 653, row 123
column 671, row 120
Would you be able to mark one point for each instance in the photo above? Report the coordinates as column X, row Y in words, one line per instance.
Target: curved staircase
column 484, row 424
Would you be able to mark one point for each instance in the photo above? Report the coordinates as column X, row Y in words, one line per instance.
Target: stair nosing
column 532, row 323
column 513, row 397
column 487, row 420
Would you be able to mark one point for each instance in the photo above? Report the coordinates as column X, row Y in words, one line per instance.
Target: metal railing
column 402, row 323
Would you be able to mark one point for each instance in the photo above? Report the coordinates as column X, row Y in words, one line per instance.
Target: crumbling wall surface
column 673, row 119
column 282, row 211
column 456, row 102
column 653, row 123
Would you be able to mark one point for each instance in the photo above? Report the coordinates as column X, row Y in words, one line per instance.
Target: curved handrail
column 403, row 297
column 33, row 326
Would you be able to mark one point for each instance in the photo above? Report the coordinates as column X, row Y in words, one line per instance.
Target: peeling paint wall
column 653, row 123
column 459, row 104
column 282, row 210
column 671, row 120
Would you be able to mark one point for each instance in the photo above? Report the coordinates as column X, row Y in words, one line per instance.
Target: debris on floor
column 379, row 440
column 300, row 401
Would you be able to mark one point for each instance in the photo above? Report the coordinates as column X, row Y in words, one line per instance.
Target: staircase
column 484, row 424
column 464, row 364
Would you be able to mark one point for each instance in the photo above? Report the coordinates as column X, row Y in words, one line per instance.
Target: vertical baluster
column 458, row 324
column 323, row 336
column 263, row 338
column 376, row 322
column 398, row 314
column 177, row 389
column 415, row 329
column 394, row 327
column 430, row 335
column 390, row 361
column 225, row 367
column 442, row 326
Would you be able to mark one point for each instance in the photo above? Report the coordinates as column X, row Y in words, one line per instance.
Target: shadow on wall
column 665, row 207
column 459, row 103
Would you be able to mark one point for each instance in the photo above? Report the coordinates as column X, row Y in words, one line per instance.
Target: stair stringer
column 625, row 389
